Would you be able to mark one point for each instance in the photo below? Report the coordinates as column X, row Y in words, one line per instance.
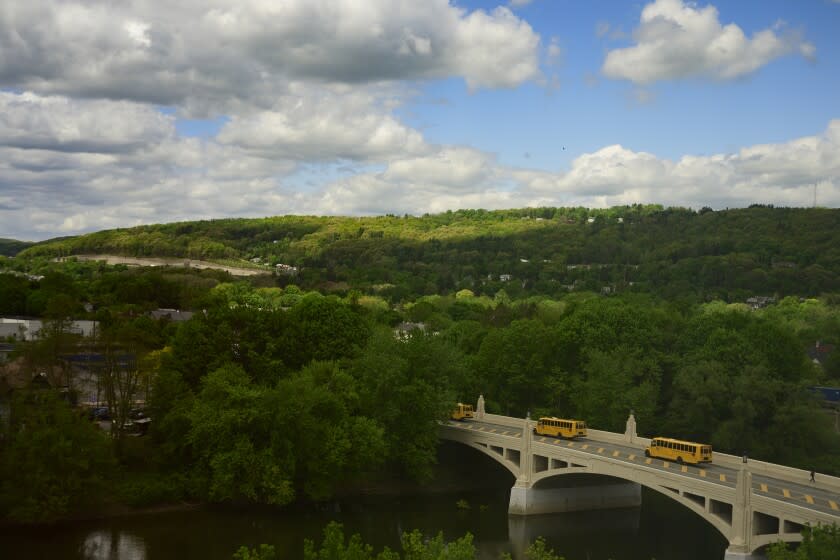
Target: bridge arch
column 510, row 465
column 595, row 468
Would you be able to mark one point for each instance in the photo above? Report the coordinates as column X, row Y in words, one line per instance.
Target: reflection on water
column 613, row 525
column 113, row 545
column 660, row 529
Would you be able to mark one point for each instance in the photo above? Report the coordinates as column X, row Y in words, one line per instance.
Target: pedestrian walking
column 812, row 475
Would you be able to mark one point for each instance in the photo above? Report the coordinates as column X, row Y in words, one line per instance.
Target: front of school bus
column 462, row 411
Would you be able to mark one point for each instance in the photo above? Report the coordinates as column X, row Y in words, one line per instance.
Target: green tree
column 407, row 379
column 230, row 434
column 415, row 546
column 818, row 543
column 537, row 550
column 263, row 552
column 614, row 383
column 53, row 462
column 514, row 366
column 318, row 417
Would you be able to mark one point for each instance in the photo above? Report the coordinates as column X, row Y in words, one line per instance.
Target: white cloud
column 678, row 40
column 324, row 124
column 450, row 169
column 54, row 123
column 45, row 193
column 782, row 174
column 554, row 51
column 209, row 55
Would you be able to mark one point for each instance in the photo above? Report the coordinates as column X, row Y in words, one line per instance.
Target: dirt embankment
column 186, row 263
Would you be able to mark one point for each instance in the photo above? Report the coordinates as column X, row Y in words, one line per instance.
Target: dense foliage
column 273, row 392
column 11, row 247
column 674, row 252
column 415, row 546
column 53, row 462
column 819, row 543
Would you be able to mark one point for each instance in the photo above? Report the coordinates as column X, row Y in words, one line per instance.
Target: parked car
column 99, row 413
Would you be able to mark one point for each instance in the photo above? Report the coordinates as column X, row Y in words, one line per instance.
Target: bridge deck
column 812, row 496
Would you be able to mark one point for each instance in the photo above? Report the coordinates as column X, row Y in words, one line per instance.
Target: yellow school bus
column 559, row 427
column 679, row 450
column 462, row 411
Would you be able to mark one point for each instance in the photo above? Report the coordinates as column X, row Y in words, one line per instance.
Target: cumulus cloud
column 57, row 123
column 782, row 174
column 209, row 55
column 323, row 124
column 47, row 192
column 678, row 40
column 774, row 173
column 450, row 168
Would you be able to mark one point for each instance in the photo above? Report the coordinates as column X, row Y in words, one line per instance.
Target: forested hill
column 727, row 254
column 11, row 247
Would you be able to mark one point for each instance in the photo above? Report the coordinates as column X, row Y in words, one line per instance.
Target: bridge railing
column 615, row 437
column 756, row 467
column 503, row 420
column 772, row 470
column 760, row 468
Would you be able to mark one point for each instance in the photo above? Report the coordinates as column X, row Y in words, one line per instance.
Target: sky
column 116, row 114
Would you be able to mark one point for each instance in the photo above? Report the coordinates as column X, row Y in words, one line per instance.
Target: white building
column 28, row 329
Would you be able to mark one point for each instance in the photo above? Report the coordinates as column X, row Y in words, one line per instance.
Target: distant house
column 505, row 277
column 286, row 269
column 87, row 368
column 24, row 328
column 406, row 329
column 174, row 315
column 759, row 302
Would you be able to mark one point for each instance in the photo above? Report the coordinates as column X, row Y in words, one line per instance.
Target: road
column 808, row 496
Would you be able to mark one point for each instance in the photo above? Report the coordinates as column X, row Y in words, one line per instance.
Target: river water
column 660, row 529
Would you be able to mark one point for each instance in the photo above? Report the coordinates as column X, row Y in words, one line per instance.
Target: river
column 660, row 529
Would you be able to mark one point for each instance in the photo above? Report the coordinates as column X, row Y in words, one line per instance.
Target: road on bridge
column 808, row 496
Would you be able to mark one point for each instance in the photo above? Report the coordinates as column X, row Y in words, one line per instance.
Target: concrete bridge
column 751, row 503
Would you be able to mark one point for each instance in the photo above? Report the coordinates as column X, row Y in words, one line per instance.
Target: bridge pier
column 526, row 499
column 735, row 555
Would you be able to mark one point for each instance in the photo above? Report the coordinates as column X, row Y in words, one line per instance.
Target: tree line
column 286, row 388
column 271, row 395
column 675, row 253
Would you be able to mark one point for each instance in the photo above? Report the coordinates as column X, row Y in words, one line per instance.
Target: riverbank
column 458, row 470
column 660, row 529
